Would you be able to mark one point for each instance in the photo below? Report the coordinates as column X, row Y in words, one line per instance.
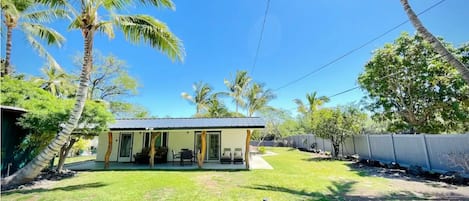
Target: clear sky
column 221, row 37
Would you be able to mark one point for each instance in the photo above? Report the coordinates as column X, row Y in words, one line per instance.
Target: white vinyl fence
column 428, row 151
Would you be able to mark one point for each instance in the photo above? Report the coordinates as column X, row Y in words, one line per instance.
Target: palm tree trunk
column 7, row 70
column 436, row 44
column 33, row 168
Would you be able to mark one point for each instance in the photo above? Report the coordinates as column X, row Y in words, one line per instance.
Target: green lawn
column 296, row 176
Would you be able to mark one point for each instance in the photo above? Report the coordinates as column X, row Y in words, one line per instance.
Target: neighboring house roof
column 186, row 123
column 13, row 109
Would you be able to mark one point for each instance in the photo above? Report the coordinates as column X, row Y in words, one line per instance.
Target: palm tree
column 56, row 81
column 25, row 16
column 215, row 107
column 257, row 98
column 314, row 103
column 136, row 28
column 436, row 44
column 237, row 87
column 201, row 96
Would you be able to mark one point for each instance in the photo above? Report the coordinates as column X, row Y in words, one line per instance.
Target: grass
column 296, row 176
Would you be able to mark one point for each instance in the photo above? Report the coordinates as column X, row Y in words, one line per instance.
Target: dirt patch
column 407, row 186
column 45, row 180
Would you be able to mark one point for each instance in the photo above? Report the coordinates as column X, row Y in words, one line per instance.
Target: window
column 161, row 140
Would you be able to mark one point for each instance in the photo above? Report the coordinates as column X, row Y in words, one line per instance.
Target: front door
column 213, row 145
column 125, row 148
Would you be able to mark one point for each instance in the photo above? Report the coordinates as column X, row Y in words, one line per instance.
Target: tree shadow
column 338, row 190
column 341, row 191
column 65, row 188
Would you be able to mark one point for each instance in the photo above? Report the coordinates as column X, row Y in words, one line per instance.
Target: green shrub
column 262, row 150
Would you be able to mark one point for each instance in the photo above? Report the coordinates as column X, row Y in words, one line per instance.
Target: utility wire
column 356, row 86
column 260, row 37
column 355, row 49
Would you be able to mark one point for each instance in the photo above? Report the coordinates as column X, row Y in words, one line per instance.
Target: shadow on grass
column 65, row 188
column 341, row 191
column 337, row 190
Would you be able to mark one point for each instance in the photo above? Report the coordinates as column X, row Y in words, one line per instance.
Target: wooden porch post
column 201, row 154
column 152, row 148
column 109, row 150
column 246, row 152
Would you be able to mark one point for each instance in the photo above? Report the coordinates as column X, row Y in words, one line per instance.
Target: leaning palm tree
column 136, row 28
column 25, row 16
column 237, row 87
column 436, row 44
column 56, row 81
column 257, row 98
column 201, row 96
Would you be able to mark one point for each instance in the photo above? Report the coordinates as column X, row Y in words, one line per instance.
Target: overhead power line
column 355, row 49
column 260, row 37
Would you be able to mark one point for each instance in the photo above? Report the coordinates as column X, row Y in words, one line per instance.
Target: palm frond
column 144, row 28
column 116, row 4
column 46, row 15
column 160, row 3
column 75, row 24
column 42, row 51
column 106, row 27
column 48, row 34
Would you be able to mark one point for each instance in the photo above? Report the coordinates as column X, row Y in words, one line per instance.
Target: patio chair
column 238, row 155
column 175, row 156
column 226, row 156
column 186, row 155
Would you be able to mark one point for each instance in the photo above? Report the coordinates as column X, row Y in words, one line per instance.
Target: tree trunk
column 64, row 153
column 33, row 168
column 246, row 151
column 436, row 44
column 108, row 151
column 336, row 149
column 201, row 155
column 151, row 155
column 8, row 70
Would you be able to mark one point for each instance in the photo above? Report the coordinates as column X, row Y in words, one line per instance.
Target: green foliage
column 413, row 88
column 46, row 112
column 338, row 123
column 81, row 145
column 237, row 87
column 262, row 150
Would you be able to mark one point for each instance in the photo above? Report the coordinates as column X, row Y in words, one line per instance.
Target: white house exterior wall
column 177, row 139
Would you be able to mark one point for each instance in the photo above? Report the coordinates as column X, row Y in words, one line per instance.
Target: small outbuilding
column 177, row 140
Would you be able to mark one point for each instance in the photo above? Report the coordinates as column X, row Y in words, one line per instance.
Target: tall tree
column 26, row 16
column 435, row 43
column 136, row 28
column 201, row 96
column 216, row 107
column 237, row 87
column 306, row 110
column 414, row 88
column 336, row 124
column 257, row 98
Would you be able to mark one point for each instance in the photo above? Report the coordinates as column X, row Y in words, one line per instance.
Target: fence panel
column 410, row 150
column 361, row 146
column 381, row 148
column 440, row 145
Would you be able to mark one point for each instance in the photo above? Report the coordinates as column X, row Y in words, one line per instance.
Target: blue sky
column 221, row 37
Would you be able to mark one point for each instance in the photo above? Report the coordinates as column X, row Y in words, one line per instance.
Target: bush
column 262, row 150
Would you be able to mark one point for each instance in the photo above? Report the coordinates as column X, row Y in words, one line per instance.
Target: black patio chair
column 226, row 156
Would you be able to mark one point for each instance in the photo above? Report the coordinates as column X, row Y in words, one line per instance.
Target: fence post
column 369, row 146
column 393, row 148
column 425, row 151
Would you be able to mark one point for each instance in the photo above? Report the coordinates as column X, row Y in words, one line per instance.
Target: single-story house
column 129, row 137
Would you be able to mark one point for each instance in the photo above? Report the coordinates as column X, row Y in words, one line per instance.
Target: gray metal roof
column 186, row 123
